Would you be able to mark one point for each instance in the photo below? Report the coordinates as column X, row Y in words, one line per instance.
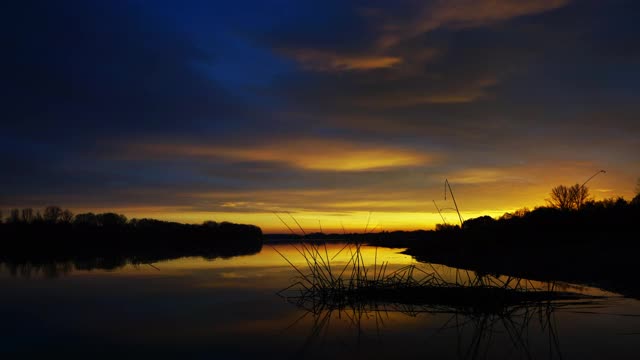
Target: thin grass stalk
column 293, row 266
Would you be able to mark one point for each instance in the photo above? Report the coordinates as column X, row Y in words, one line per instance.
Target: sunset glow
column 329, row 179
column 327, row 111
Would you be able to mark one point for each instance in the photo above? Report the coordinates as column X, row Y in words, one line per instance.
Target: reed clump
column 356, row 284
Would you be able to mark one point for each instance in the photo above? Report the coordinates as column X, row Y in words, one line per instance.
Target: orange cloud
column 310, row 154
column 418, row 99
column 401, row 201
column 318, row 60
column 470, row 92
column 461, row 13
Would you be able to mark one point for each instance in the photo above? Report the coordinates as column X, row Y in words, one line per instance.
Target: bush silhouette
column 87, row 219
column 111, row 219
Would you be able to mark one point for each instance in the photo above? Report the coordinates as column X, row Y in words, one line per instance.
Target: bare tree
column 568, row 198
column 560, row 198
column 579, row 195
column 27, row 215
column 66, row 216
column 52, row 214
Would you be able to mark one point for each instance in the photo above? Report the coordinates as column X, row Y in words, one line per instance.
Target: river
column 229, row 309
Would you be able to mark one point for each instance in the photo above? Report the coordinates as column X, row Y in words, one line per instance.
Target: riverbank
column 597, row 245
column 41, row 245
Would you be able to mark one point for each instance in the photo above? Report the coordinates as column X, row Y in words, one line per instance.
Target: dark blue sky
column 188, row 110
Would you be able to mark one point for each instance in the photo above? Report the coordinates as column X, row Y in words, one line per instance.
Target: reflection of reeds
column 478, row 335
column 502, row 332
column 355, row 283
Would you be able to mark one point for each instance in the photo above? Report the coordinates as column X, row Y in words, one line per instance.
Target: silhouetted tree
column 66, row 216
column 52, row 214
column 579, row 195
column 560, row 197
column 27, row 215
column 568, row 198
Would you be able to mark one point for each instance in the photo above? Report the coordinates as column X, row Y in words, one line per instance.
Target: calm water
column 228, row 308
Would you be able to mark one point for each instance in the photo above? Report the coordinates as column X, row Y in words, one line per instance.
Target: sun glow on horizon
column 311, row 222
column 369, row 208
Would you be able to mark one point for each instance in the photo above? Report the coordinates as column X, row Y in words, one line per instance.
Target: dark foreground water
column 228, row 309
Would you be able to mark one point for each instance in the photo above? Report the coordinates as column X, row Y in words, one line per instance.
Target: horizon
column 307, row 224
column 341, row 113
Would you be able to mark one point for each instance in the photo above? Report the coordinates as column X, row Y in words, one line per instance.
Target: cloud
column 451, row 81
column 447, row 67
column 318, row 60
column 432, row 15
column 512, row 94
column 309, row 154
column 486, row 175
column 387, row 29
column 474, row 90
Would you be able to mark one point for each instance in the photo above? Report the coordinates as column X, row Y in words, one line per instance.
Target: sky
column 341, row 113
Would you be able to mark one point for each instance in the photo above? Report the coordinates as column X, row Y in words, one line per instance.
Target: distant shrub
column 111, row 219
column 447, row 227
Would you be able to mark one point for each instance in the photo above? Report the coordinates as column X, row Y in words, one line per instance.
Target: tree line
column 577, row 196
column 55, row 234
column 51, row 214
column 55, row 217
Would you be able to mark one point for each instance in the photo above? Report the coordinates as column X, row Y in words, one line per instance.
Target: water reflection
column 472, row 335
column 54, row 265
column 549, row 331
column 227, row 308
